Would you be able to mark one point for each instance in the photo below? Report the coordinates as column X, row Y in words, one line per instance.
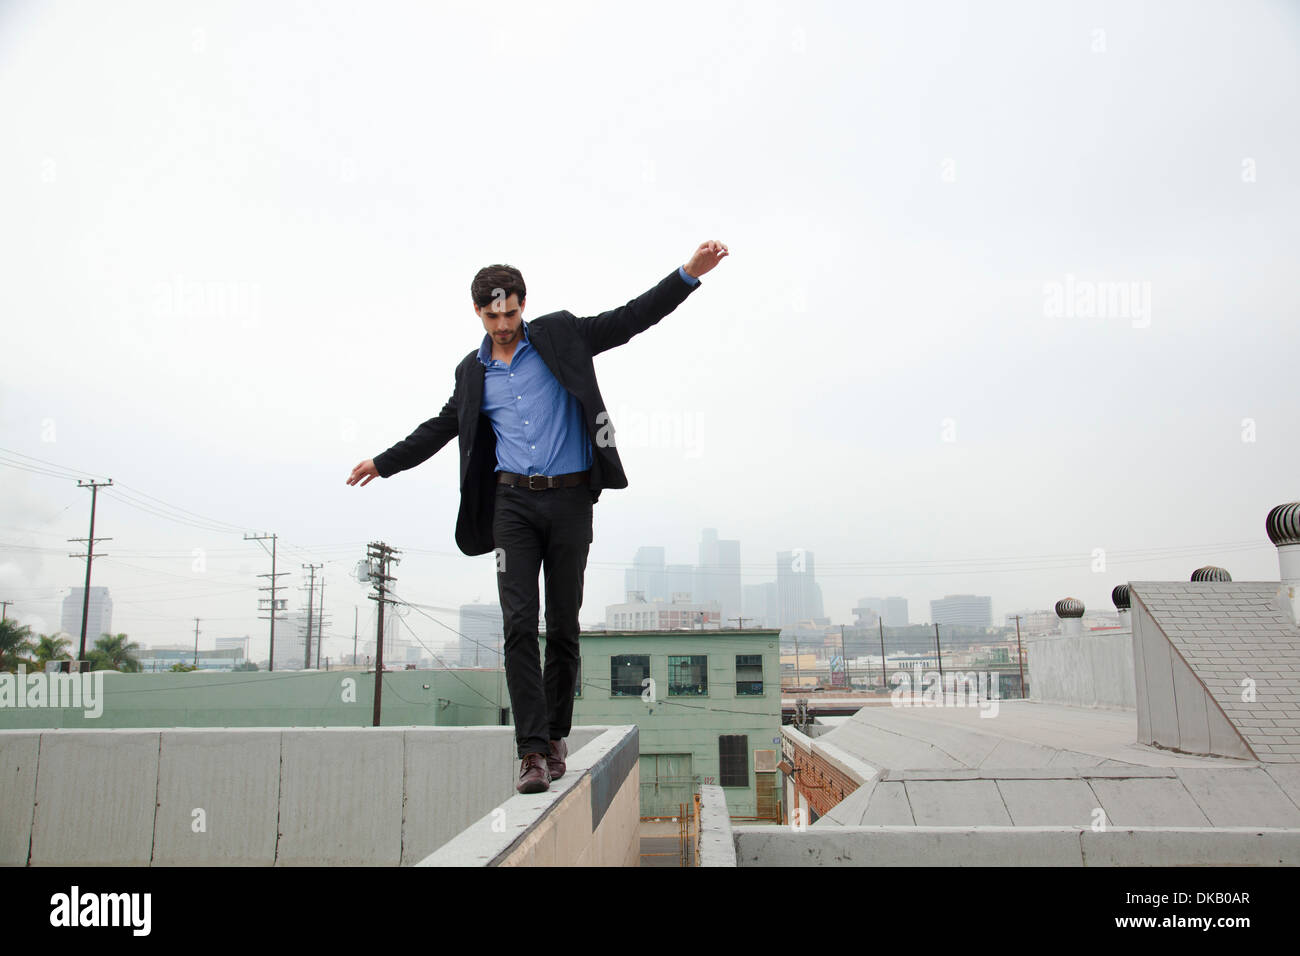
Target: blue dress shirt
column 538, row 423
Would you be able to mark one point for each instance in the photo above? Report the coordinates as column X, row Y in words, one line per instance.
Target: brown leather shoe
column 555, row 762
column 533, row 776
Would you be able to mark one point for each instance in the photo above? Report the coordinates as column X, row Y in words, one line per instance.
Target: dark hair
column 498, row 280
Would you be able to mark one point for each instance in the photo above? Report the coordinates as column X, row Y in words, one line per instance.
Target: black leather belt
column 542, row 482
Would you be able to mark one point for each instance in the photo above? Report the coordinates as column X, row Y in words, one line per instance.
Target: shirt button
column 533, row 447
column 517, row 397
column 525, row 421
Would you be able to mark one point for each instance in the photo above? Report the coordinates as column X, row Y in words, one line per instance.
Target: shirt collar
column 485, row 349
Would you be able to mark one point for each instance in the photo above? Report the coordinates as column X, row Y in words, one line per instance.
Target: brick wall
column 820, row 783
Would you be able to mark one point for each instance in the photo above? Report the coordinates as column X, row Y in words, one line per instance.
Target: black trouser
column 533, row 530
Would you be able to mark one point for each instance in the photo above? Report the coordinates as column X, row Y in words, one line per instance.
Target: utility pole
column 1020, row 658
column 196, row 643
column 382, row 554
column 94, row 487
column 320, row 621
column 354, row 635
column 275, row 603
column 740, row 622
column 844, row 653
column 311, row 593
column 938, row 652
column 4, row 610
column 884, row 678
column 798, row 679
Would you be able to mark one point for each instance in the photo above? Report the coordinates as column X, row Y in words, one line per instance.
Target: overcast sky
column 237, row 241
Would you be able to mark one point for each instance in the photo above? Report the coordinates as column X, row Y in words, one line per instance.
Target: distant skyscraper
column 892, row 610
column 718, row 574
column 99, row 616
column 965, row 609
column 482, row 628
column 896, row 612
column 647, row 574
column 291, row 639
column 797, row 594
column 760, row 604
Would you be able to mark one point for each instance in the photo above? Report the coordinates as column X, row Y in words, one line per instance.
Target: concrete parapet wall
column 1016, row 846
column 717, row 845
column 249, row 797
column 589, row 817
column 1093, row 669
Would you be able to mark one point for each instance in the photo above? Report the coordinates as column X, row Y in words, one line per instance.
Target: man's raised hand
column 364, row 470
column 708, row 255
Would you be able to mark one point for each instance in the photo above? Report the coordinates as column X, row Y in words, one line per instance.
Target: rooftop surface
column 1036, row 764
column 1023, row 733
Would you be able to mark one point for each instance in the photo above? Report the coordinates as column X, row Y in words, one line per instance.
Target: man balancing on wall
column 528, row 482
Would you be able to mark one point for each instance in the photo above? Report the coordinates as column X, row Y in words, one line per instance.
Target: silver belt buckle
column 532, row 487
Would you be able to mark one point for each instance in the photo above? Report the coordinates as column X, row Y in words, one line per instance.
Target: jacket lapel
column 540, row 339
column 473, row 395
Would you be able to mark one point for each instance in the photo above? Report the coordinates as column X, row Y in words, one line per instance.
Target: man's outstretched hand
column 364, row 470
column 706, row 257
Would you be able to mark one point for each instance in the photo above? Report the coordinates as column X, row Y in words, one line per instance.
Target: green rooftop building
column 707, row 705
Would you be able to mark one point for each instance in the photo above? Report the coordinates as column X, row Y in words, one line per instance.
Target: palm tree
column 15, row 642
column 115, row 652
column 53, row 647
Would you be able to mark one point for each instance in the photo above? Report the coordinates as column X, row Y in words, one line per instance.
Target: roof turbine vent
column 1211, row 573
column 1069, row 607
column 1283, row 524
column 1120, row 597
column 1283, row 527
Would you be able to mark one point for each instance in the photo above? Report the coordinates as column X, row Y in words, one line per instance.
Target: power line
column 449, row 670
column 826, row 569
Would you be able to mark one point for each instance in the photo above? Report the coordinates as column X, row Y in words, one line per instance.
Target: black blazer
column 566, row 344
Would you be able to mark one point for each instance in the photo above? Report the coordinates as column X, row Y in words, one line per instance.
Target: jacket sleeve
column 422, row 443
column 613, row 328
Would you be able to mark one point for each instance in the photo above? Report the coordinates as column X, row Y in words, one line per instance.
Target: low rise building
column 707, row 706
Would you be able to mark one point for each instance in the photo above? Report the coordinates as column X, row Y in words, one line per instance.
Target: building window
column 749, row 675
column 688, row 676
column 733, row 760
column 626, row 674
